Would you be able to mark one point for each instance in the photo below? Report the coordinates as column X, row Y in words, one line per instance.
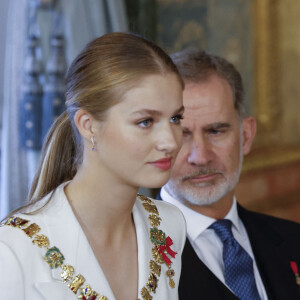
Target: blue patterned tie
column 239, row 275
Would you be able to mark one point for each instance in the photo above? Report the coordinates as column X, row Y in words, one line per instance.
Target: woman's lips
column 163, row 164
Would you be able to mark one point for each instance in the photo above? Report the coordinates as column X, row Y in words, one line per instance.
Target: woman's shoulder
column 18, row 236
column 19, row 228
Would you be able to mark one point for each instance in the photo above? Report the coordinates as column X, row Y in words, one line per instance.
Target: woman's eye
column 145, row 123
column 176, row 119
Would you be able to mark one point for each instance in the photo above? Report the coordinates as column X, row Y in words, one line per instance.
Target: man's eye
column 176, row 119
column 145, row 123
column 215, row 131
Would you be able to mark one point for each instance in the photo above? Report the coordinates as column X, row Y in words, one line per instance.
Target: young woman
column 86, row 233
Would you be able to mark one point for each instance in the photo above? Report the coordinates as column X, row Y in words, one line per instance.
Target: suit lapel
column 197, row 281
column 143, row 242
column 64, row 232
column 271, row 253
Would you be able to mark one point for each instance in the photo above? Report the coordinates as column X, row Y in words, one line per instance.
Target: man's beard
column 204, row 193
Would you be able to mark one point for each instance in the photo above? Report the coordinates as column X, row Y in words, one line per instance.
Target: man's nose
column 200, row 152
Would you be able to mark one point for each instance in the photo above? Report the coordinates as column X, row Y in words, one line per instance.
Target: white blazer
column 25, row 275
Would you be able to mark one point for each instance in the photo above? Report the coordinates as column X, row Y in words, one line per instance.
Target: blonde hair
column 98, row 77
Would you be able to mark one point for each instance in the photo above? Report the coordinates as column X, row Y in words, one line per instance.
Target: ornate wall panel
column 289, row 12
column 262, row 39
column 221, row 27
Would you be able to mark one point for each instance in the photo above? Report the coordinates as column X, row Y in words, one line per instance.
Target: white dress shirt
column 207, row 244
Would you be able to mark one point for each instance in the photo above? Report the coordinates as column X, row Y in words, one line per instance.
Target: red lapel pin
column 294, row 267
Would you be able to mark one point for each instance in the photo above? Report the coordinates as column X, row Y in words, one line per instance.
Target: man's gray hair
column 197, row 66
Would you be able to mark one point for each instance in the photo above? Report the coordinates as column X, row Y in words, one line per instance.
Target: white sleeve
column 11, row 276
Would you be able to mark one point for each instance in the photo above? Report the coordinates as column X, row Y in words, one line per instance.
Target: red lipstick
column 163, row 164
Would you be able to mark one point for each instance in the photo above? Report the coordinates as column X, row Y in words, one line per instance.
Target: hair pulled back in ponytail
column 57, row 163
column 97, row 79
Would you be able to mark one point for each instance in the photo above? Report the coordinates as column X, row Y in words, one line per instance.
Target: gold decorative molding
column 267, row 70
column 269, row 151
column 271, row 157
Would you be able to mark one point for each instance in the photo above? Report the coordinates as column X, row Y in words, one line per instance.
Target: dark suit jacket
column 275, row 243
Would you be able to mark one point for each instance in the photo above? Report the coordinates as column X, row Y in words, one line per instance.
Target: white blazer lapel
column 54, row 290
column 88, row 266
column 140, row 217
column 65, row 233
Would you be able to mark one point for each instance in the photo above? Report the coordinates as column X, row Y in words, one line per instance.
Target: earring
column 93, row 142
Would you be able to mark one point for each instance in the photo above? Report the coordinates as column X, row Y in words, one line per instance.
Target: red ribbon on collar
column 166, row 247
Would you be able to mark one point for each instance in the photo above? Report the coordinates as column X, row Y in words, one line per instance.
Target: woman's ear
column 249, row 131
column 84, row 123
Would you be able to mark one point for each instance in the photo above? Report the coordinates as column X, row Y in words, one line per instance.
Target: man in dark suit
column 230, row 253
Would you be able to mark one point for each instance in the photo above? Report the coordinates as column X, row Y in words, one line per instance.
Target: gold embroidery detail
column 145, row 199
column 32, row 229
column 151, row 208
column 154, row 220
column 157, row 256
column 171, row 283
column 76, row 283
column 55, row 258
column 87, row 293
column 145, row 294
column 16, row 222
column 41, row 241
column 67, row 273
column 156, row 268
column 157, row 236
column 152, row 283
column 171, row 273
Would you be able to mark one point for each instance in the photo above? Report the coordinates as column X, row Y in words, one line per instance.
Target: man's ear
column 249, row 131
column 84, row 123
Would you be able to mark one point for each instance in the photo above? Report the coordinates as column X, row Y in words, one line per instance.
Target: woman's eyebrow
column 155, row 112
column 180, row 110
column 147, row 111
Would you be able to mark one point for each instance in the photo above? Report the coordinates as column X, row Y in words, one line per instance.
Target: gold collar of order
column 161, row 253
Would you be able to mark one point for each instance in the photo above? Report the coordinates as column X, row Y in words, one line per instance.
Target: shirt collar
column 196, row 222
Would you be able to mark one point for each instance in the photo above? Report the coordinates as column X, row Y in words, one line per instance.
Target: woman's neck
column 103, row 208
column 101, row 204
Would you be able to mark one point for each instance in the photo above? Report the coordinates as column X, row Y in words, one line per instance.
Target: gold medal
column 16, row 222
column 67, row 273
column 154, row 220
column 156, row 268
column 151, row 208
column 145, row 294
column 76, row 283
column 54, row 258
column 41, row 241
column 87, row 293
column 157, row 256
column 152, row 283
column 32, row 229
